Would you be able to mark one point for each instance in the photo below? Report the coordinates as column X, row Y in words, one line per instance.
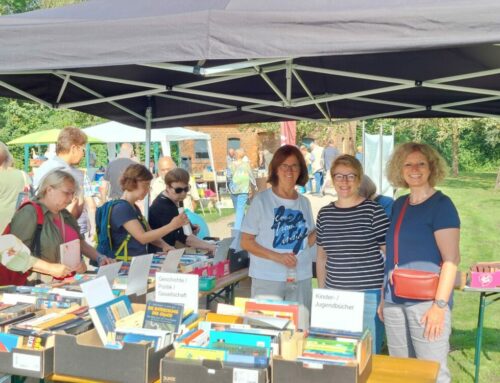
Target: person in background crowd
column 166, row 164
column 50, row 152
column 317, row 166
column 368, row 190
column 308, row 159
column 20, row 259
column 359, row 154
column 278, row 232
column 265, row 158
column 56, row 191
column 70, row 149
column 329, row 155
column 429, row 241
column 351, row 243
column 130, row 232
column 240, row 186
column 165, row 208
column 110, row 184
column 12, row 182
column 231, row 156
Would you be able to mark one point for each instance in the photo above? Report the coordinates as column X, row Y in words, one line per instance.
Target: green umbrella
column 45, row 137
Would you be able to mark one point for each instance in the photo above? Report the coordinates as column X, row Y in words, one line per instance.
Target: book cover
column 163, row 316
column 223, row 318
column 9, row 341
column 107, row 314
column 38, row 341
column 243, row 339
column 134, row 320
column 286, row 311
column 199, row 353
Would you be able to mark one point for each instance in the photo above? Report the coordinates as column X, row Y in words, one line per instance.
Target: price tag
column 243, row 375
column 26, row 362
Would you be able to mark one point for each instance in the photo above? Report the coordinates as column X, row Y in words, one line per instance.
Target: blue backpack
column 103, row 230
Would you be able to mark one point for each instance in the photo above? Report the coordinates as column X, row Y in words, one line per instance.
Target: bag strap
column 396, row 230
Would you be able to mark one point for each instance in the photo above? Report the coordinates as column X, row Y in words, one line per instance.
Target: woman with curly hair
column 427, row 238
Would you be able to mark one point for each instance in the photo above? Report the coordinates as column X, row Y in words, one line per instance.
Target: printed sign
column 178, row 288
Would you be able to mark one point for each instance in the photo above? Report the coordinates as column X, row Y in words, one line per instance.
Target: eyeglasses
column 290, row 168
column 67, row 193
column 180, row 190
column 351, row 177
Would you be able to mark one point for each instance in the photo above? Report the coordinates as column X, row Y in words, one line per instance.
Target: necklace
column 417, row 200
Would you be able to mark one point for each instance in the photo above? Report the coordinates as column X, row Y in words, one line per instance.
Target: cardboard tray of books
column 83, row 356
column 286, row 369
column 208, row 371
column 25, row 362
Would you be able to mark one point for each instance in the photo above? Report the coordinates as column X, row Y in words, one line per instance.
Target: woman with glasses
column 56, row 191
column 130, row 232
column 278, row 231
column 165, row 209
column 351, row 241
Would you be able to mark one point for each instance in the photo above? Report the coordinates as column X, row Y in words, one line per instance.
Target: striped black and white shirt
column 351, row 238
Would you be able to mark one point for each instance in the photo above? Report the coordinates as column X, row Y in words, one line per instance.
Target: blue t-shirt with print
column 417, row 245
column 121, row 214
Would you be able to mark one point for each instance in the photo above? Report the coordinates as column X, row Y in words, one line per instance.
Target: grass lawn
column 214, row 215
column 479, row 208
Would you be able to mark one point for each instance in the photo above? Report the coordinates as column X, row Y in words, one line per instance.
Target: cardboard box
column 33, row 363
column 83, row 356
column 485, row 280
column 208, row 371
column 286, row 369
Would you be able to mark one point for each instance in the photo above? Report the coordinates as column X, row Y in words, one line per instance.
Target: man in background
column 329, row 155
column 166, row 164
column 110, row 184
column 317, row 165
column 70, row 149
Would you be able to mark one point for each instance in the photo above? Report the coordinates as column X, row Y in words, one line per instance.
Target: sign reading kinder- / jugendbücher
column 177, row 288
column 337, row 310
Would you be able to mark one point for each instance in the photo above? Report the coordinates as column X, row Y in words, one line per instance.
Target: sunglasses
column 180, row 190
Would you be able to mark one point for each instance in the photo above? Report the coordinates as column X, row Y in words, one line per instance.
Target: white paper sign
column 70, row 253
column 138, row 274
column 97, row 291
column 109, row 271
column 177, row 288
column 12, row 299
column 26, row 362
column 244, row 375
column 337, row 310
column 172, row 261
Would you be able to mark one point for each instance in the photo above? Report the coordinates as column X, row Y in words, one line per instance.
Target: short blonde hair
column 55, row 179
column 394, row 168
column 6, row 158
column 350, row 161
column 70, row 136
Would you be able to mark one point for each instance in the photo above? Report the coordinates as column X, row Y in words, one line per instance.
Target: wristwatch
column 441, row 303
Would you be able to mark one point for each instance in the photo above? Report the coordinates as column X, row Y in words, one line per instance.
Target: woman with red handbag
column 422, row 259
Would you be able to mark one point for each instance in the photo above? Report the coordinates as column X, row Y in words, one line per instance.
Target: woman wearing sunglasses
column 278, row 231
column 130, row 232
column 351, row 239
column 165, row 209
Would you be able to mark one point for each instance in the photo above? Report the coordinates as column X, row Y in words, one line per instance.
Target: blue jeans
column 239, row 203
column 318, row 178
column 371, row 319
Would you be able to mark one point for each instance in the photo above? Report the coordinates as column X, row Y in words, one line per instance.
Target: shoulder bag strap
column 396, row 231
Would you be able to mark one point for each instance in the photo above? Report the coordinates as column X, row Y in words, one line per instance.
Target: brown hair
column 394, row 168
column 279, row 157
column 176, row 175
column 132, row 175
column 350, row 161
column 367, row 188
column 70, row 136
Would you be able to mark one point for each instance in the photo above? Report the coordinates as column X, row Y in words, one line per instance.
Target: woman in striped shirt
column 351, row 242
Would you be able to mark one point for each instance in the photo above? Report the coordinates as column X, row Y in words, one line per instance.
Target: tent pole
column 381, row 164
column 363, row 143
column 149, row 114
column 211, row 155
column 26, row 158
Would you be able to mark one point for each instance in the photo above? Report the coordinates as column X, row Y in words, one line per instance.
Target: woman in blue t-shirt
column 130, row 233
column 428, row 240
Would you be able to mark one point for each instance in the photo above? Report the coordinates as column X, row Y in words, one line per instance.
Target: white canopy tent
column 113, row 132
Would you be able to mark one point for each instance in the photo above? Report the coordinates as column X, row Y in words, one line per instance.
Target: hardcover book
column 107, row 314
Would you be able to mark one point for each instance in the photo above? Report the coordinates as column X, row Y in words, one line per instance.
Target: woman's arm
column 57, row 270
column 136, row 230
column 311, row 238
column 321, row 266
column 92, row 254
column 448, row 244
column 164, row 246
column 194, row 241
column 249, row 244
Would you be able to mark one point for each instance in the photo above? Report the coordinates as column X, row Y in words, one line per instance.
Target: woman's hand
column 380, row 308
column 287, row 259
column 81, row 268
column 485, row 267
column 179, row 221
column 433, row 320
column 58, row 270
column 103, row 260
column 166, row 248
